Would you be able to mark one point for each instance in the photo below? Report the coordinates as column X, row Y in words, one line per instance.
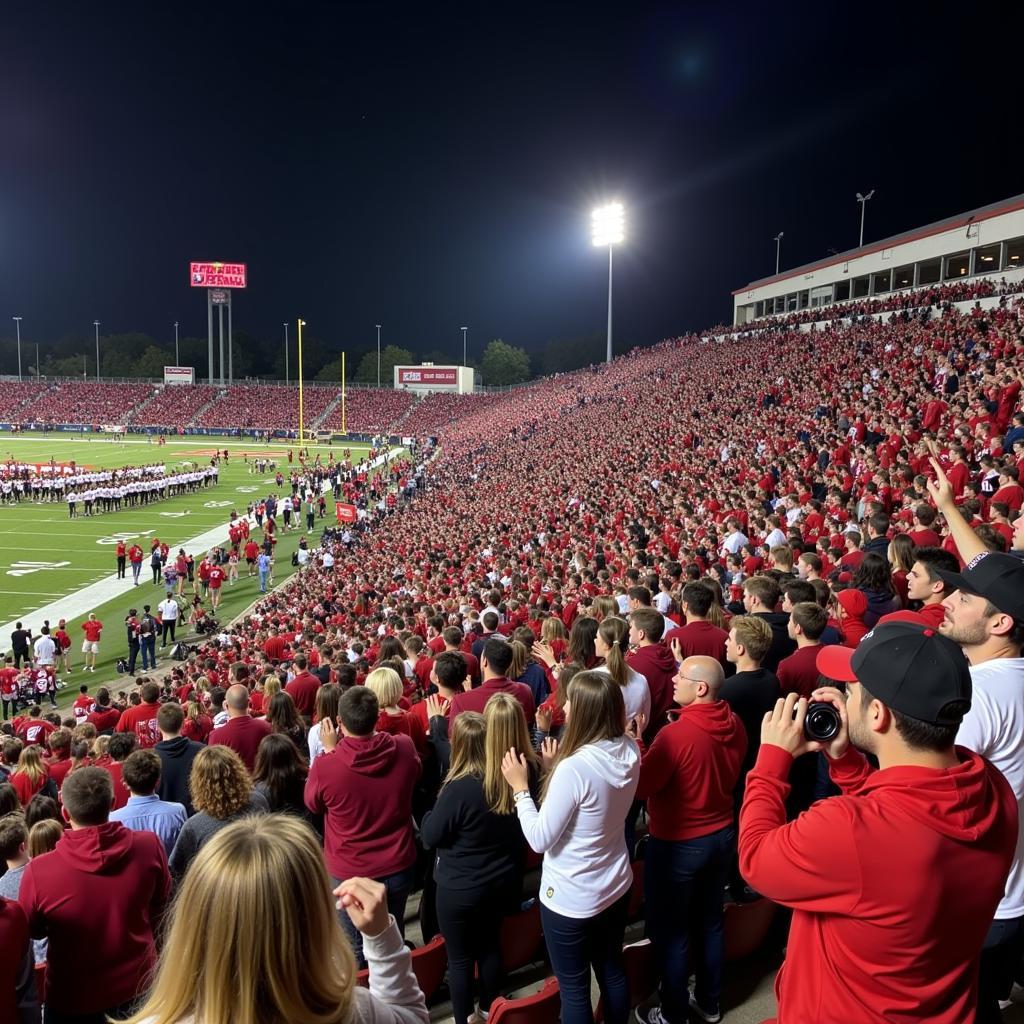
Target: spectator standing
column 761, row 595
column 985, row 616
column 687, row 777
column 20, row 640
column 176, row 753
column 580, row 829
column 19, row 1000
column 140, row 720
column 363, row 785
column 926, row 586
column 97, row 963
column 222, row 792
column 698, row 636
column 145, row 811
column 654, row 661
column 303, row 687
column 929, row 817
column 45, row 650
column 264, row 876
column 495, row 660
column 148, row 628
column 798, row 673
column 242, row 733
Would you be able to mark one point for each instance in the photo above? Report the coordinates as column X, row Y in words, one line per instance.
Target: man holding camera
column 894, row 883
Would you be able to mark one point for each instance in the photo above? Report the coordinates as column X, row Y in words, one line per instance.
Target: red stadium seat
column 543, row 1007
column 429, row 963
column 746, row 925
column 520, row 938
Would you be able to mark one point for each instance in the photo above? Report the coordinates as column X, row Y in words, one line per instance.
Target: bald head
column 706, row 670
column 237, row 700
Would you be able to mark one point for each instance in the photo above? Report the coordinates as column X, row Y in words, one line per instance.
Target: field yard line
column 80, row 602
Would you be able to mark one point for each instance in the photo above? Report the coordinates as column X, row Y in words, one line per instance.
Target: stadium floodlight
column 863, row 200
column 378, row 355
column 96, row 324
column 286, row 372
column 608, row 228
column 464, row 329
column 177, row 361
column 300, row 323
column 17, row 327
column 778, row 250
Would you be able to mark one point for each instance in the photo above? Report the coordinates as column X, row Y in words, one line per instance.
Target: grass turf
column 54, row 556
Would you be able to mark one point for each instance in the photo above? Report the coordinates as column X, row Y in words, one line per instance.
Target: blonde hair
column 30, row 763
column 520, row 659
column 219, row 783
column 469, row 758
column 716, row 614
column 253, row 937
column 603, row 606
column 386, row 685
column 552, row 628
column 43, row 837
column 99, row 747
column 271, row 688
column 754, row 634
column 506, row 727
column 597, row 712
column 614, row 632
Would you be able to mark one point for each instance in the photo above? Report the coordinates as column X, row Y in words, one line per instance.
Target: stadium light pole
column 378, row 355
column 17, row 327
column 286, row 374
column 301, row 323
column 177, row 361
column 863, row 200
column 464, row 329
column 778, row 250
column 96, row 324
column 607, row 225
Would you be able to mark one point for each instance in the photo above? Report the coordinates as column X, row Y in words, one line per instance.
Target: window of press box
column 903, row 277
column 881, row 282
column 929, row 271
column 861, row 286
column 986, row 259
column 842, row 290
column 957, row 265
column 1014, row 254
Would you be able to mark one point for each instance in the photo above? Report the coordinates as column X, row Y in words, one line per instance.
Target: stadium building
column 985, row 242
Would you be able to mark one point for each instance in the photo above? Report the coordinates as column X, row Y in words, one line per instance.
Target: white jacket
column 580, row 828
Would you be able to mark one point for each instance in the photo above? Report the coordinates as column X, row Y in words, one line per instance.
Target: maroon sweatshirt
column 476, row 699
column 657, row 665
column 689, row 772
column 364, row 790
column 302, row 689
column 98, row 897
column 15, row 946
column 243, row 735
column 799, row 672
column 699, row 638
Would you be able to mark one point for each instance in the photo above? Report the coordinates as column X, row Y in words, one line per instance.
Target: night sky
column 430, row 166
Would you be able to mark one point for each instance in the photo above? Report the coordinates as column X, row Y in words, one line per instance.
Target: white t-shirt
column 994, row 728
column 168, row 610
column 636, row 695
column 45, row 650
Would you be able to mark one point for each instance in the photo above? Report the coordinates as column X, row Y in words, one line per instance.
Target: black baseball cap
column 909, row 667
column 996, row 577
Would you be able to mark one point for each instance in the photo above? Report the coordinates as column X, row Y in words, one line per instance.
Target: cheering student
column 884, row 927
column 580, row 829
column 93, row 629
column 256, row 909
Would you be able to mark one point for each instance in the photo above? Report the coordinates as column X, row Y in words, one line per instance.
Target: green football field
column 47, row 559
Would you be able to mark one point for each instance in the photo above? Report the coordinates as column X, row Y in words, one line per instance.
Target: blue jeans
column 577, row 944
column 264, row 573
column 684, row 883
column 147, row 645
column 398, row 886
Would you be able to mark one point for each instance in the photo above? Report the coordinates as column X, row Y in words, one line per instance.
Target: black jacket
column 476, row 848
column 782, row 646
column 176, row 757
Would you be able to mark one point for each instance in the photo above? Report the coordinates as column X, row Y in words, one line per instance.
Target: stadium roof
column 936, row 228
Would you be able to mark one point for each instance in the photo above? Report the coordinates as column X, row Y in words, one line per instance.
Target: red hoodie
column 14, row 942
column 364, row 790
column 690, row 770
column 893, row 885
column 98, row 897
column 657, row 665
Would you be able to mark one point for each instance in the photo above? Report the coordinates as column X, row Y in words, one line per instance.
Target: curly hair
column 219, row 783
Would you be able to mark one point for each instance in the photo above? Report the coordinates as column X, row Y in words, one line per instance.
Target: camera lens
column 822, row 722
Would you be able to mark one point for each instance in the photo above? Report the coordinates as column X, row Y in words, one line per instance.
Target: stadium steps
column 209, row 405
column 318, row 423
column 133, row 415
column 405, row 415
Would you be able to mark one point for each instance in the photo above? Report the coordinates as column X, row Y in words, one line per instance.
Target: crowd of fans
column 173, row 405
column 587, row 633
column 89, row 402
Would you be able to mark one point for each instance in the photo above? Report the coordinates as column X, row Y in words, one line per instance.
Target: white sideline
column 81, row 602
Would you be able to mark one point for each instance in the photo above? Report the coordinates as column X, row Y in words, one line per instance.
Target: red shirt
column 407, row 724
column 14, row 941
column 799, row 672
column 92, row 629
column 24, row 786
column 302, row 690
column 216, row 577
column 243, row 735
column 141, row 720
column 33, row 730
column 699, row 638
column 104, row 718
column 690, row 770
column 476, row 699
column 857, row 869
column 925, row 538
